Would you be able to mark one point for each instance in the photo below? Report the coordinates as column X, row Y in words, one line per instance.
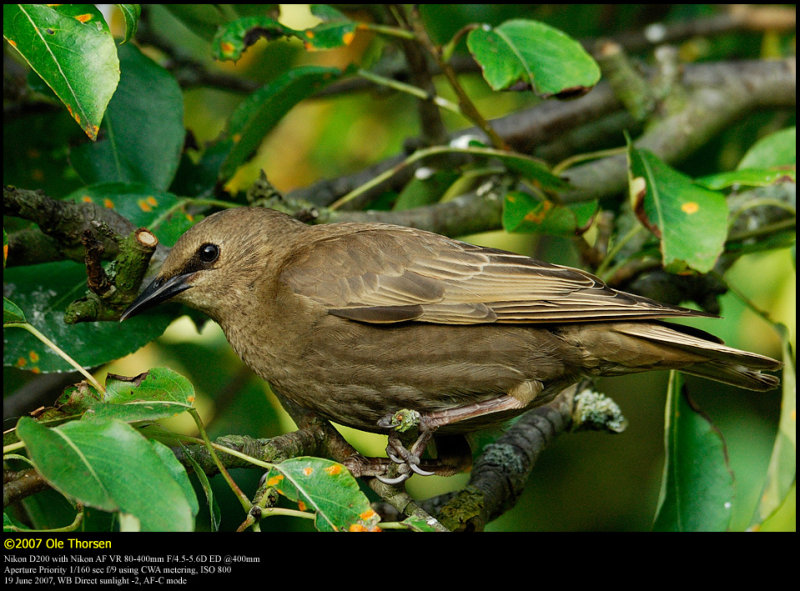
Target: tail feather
column 734, row 375
column 712, row 358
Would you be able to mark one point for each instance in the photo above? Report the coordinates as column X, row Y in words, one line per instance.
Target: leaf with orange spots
column 71, row 48
column 43, row 291
column 142, row 205
column 335, row 30
column 690, row 221
column 232, row 39
column 39, row 158
column 326, row 488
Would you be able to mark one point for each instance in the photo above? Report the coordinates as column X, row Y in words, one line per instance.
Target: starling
column 357, row 321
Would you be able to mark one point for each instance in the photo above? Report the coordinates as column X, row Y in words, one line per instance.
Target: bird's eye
column 208, row 253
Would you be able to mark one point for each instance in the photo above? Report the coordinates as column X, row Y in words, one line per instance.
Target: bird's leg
column 517, row 398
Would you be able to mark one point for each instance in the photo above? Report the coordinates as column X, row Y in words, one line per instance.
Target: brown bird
column 356, row 321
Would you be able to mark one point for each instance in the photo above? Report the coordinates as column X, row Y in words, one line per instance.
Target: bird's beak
column 158, row 291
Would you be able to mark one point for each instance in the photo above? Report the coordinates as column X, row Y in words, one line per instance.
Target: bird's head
column 218, row 260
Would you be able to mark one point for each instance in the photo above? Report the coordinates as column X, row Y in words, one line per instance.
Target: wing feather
column 385, row 274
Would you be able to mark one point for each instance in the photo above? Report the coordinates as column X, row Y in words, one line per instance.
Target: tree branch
column 718, row 95
column 66, row 223
column 501, row 472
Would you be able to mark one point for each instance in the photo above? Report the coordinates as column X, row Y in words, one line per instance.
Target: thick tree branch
column 501, row 472
column 65, row 223
column 18, row 485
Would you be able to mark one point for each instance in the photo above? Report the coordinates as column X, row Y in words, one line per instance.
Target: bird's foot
column 404, row 420
column 408, row 459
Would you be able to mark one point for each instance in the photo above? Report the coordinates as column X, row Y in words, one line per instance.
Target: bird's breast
column 356, row 373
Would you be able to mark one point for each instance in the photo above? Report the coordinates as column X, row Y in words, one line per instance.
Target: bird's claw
column 406, row 467
column 417, row 470
column 396, row 480
column 408, row 460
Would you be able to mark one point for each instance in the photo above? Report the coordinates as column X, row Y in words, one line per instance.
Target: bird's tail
column 706, row 356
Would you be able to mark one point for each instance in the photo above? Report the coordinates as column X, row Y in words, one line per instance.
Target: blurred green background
column 586, row 481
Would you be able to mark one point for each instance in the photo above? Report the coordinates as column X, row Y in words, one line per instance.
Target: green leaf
column 108, row 465
column 12, row 313
column 782, row 471
column 536, row 171
column 43, row 292
column 71, row 48
column 178, row 472
column 39, row 154
column 328, row 489
column 534, row 54
column 264, row 108
column 131, row 14
column 775, row 150
column 697, row 486
column 522, row 212
column 233, row 38
column 770, row 160
column 336, row 30
column 690, row 221
column 160, row 393
column 143, row 127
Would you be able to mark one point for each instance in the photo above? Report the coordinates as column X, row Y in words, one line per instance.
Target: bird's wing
column 389, row 274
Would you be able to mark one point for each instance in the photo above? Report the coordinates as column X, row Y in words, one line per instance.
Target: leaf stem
column 614, row 250
column 188, row 201
column 420, row 155
column 763, row 230
column 449, row 47
column 387, row 30
column 245, row 502
column 71, row 527
column 412, row 90
column 572, row 160
column 467, row 107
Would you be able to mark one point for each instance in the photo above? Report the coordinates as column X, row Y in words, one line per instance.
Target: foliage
column 174, row 118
